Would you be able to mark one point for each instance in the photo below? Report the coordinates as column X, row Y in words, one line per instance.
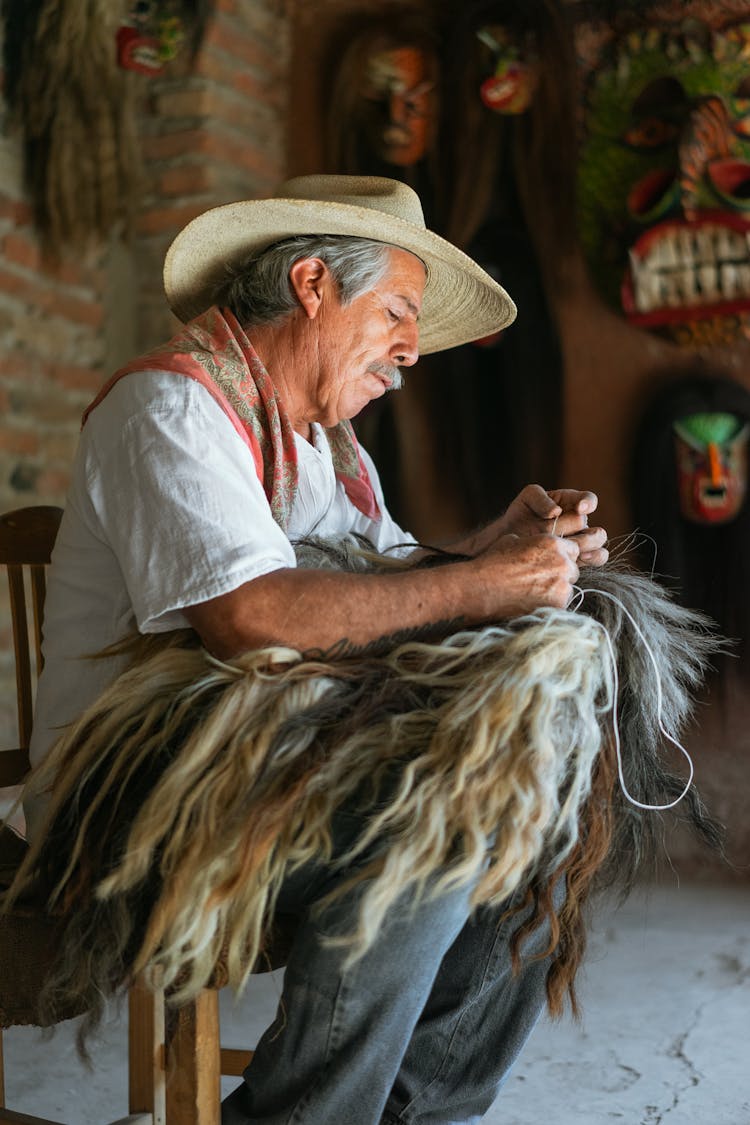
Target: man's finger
column 594, row 558
column 571, row 547
column 589, row 538
column 574, row 500
column 540, row 503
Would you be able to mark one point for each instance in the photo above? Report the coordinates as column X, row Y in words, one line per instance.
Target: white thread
column 659, row 699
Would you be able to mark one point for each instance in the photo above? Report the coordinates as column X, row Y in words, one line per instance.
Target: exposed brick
column 26, row 251
column 226, row 70
column 233, row 39
column 229, row 108
column 83, row 312
column 170, row 145
column 270, row 21
column 83, row 271
column 160, row 219
column 53, row 483
column 46, row 404
column 221, row 105
column 259, row 89
column 187, row 179
column 22, row 246
column 16, row 210
column 32, row 333
column 18, row 441
column 21, row 250
column 217, row 66
column 57, row 303
column 183, row 103
column 15, row 285
column 76, row 378
column 57, row 447
column 16, row 365
column 209, row 133
column 235, row 153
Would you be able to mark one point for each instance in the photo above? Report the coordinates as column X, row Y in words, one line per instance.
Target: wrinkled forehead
column 395, row 70
column 406, row 262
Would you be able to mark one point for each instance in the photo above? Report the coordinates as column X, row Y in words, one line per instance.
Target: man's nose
column 405, row 350
column 398, row 110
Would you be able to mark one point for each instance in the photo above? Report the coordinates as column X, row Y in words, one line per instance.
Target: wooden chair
column 27, row 536
column 175, row 1057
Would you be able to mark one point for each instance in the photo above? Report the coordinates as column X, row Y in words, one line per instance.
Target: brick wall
column 215, row 135
column 209, row 133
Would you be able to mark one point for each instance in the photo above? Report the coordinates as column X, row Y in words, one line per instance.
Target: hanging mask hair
column 689, row 495
column 74, row 106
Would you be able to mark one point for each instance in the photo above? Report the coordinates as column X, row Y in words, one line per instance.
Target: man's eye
column 395, row 317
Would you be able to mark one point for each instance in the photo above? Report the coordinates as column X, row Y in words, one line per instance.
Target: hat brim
column 461, row 301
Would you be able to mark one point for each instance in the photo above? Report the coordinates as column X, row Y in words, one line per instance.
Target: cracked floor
column 664, row 1040
column 665, row 1034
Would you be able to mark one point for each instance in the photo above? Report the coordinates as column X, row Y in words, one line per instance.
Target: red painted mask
column 711, row 454
column 664, row 176
column 509, row 89
column 151, row 35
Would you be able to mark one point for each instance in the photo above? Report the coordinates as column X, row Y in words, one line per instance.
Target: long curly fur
column 192, row 787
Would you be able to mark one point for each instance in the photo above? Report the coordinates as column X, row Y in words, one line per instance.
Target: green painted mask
column 664, row 179
column 711, row 457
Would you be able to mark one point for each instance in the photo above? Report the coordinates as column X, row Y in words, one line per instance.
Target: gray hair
column 258, row 290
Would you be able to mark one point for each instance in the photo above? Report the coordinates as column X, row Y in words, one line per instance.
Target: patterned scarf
column 215, row 352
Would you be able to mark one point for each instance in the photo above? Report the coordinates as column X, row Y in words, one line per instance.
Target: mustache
column 397, row 135
column 391, row 372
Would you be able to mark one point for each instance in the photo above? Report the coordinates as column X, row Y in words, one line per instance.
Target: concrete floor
column 665, row 1036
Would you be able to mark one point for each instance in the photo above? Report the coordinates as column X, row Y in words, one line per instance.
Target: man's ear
column 309, row 278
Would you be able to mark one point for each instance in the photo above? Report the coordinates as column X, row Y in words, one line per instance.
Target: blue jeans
column 422, row 1029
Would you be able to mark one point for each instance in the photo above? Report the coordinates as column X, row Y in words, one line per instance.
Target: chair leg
column 2, row 1072
column 193, row 1078
column 146, row 1053
column 234, row 1062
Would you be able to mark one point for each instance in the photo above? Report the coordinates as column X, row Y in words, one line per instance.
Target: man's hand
column 563, row 512
column 527, row 559
column 576, row 507
column 519, row 574
column 323, row 609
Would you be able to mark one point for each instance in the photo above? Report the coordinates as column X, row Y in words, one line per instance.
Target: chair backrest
column 27, row 536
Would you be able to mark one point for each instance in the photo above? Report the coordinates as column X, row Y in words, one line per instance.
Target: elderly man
column 198, row 467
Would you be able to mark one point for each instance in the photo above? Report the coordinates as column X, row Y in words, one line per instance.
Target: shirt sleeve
column 179, row 501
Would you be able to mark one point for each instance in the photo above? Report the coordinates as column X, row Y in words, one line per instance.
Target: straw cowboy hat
column 461, row 301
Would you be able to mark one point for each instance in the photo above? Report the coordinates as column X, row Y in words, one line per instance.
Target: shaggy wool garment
column 192, row 787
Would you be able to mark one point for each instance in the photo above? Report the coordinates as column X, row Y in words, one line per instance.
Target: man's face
column 398, row 104
column 360, row 346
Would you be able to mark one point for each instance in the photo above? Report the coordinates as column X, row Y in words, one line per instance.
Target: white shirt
column 165, row 510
